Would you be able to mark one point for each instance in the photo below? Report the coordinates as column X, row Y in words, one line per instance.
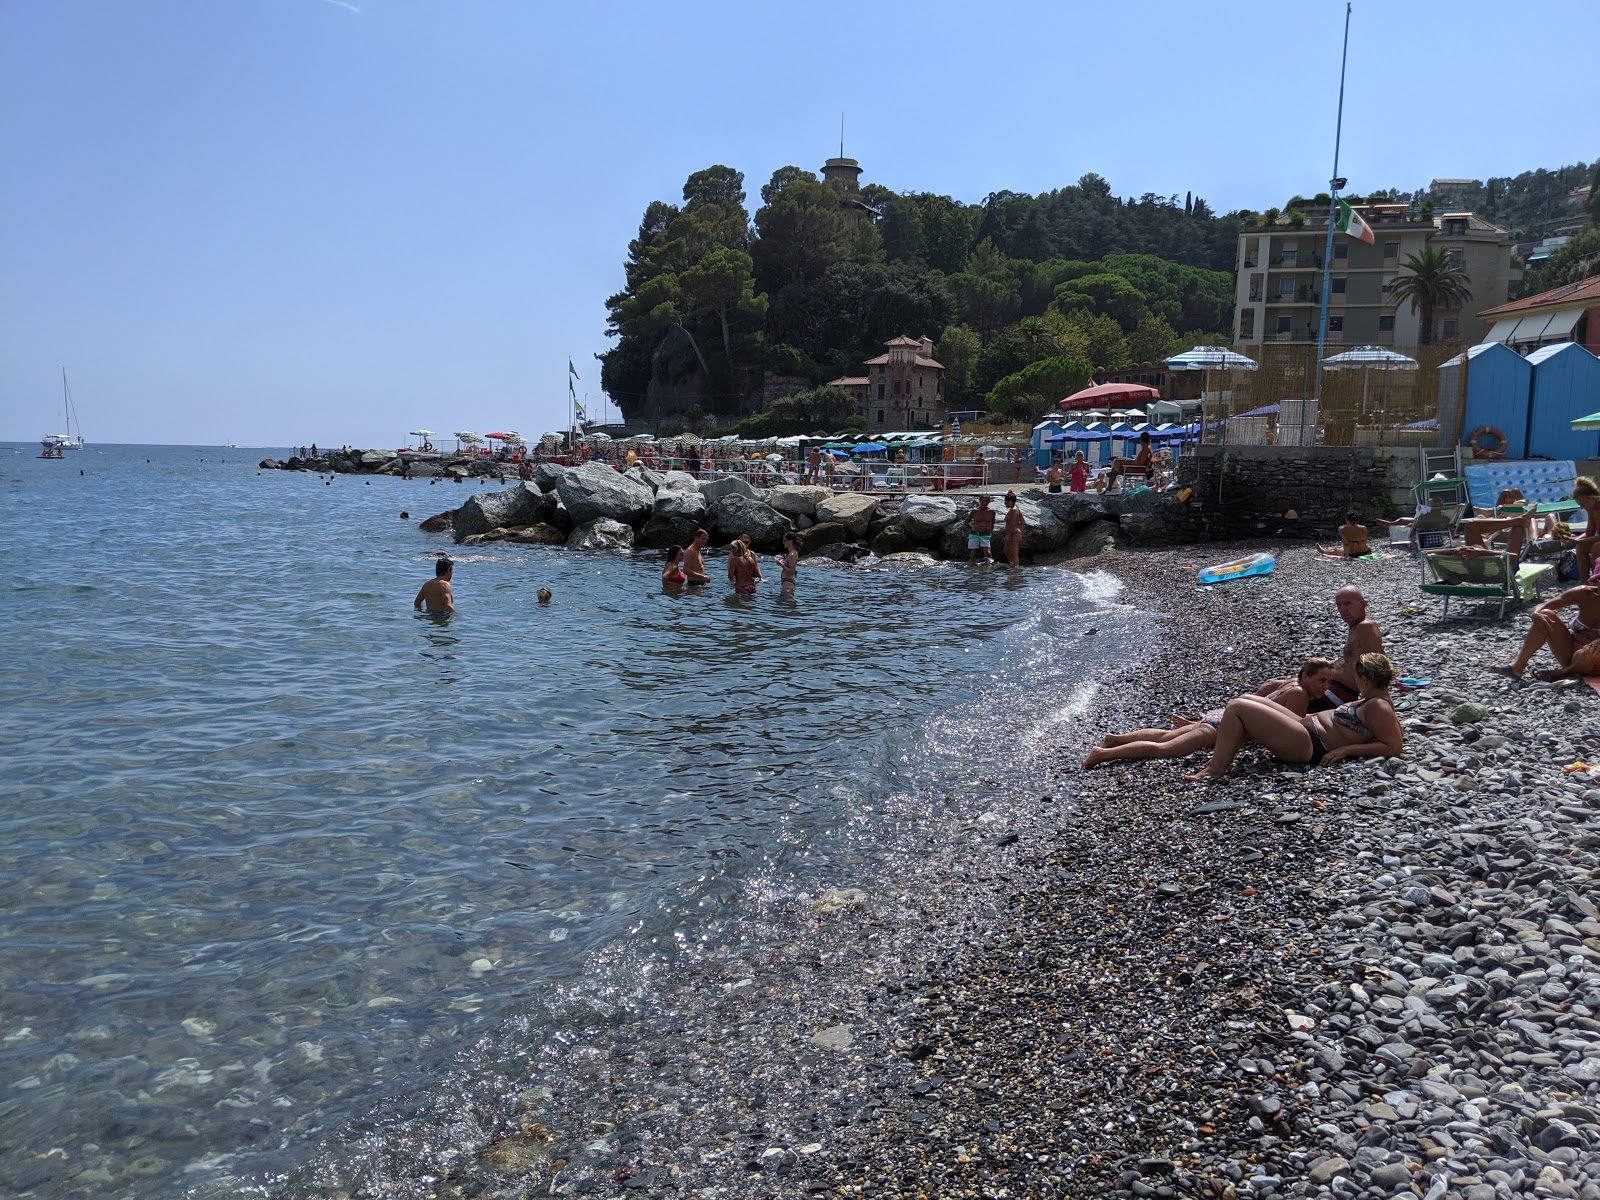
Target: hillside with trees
column 1025, row 296
column 820, row 275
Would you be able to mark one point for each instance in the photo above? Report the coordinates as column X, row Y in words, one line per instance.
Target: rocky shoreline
column 1375, row 980
column 594, row 507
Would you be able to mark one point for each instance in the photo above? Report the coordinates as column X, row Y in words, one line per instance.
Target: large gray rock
column 546, row 475
column 795, row 501
column 853, row 511
column 527, row 535
column 729, row 485
column 439, row 522
column 826, row 534
column 766, row 526
column 595, row 490
column 1094, row 538
column 892, row 540
column 643, row 475
column 678, row 481
column 923, row 518
column 483, row 511
column 601, row 533
column 1075, row 508
column 660, row 531
column 373, row 459
column 559, row 516
column 679, row 502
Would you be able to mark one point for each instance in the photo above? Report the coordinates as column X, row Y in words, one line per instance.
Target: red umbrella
column 1103, row 394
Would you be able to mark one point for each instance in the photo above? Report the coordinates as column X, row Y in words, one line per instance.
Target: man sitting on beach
column 1362, row 637
column 980, row 528
column 1575, row 644
column 1352, row 540
column 436, row 594
column 694, row 560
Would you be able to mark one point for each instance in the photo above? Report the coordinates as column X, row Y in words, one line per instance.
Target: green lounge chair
column 1464, row 576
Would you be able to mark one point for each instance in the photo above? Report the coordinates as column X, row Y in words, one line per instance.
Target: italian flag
column 574, row 370
column 1349, row 221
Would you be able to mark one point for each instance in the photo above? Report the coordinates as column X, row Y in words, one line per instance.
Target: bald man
column 1362, row 636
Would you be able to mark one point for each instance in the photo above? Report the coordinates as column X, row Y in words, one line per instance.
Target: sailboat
column 53, row 444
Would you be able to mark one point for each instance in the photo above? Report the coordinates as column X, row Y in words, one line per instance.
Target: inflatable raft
column 1251, row 564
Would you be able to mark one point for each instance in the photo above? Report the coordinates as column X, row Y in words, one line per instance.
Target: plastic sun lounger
column 1457, row 576
column 1541, row 481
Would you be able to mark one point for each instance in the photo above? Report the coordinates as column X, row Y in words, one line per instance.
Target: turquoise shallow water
column 276, row 848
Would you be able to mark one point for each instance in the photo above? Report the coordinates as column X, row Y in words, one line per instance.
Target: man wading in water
column 436, row 594
column 980, row 528
column 694, row 561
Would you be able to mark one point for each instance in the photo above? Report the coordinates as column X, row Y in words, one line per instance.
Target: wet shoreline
column 1114, row 984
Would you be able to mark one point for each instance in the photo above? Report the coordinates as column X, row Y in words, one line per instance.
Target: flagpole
column 1333, row 209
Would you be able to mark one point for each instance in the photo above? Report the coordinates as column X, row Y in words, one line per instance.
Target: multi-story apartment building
column 1279, row 292
column 903, row 388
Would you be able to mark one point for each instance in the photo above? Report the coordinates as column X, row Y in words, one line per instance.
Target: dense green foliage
column 820, row 276
column 1526, row 204
column 1578, row 259
column 814, row 410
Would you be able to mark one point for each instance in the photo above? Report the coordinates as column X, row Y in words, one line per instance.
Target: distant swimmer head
column 444, row 566
column 544, row 595
column 405, row 516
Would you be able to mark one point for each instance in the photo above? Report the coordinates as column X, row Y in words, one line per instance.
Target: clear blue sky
column 278, row 221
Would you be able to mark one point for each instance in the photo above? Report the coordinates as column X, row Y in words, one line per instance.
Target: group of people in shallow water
column 686, row 565
column 1330, row 711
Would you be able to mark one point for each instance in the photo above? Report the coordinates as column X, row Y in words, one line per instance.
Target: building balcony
column 1308, row 334
column 1299, row 296
column 1313, row 263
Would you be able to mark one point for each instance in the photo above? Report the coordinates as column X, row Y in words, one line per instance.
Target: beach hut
column 1497, row 387
column 1042, row 432
column 1566, row 383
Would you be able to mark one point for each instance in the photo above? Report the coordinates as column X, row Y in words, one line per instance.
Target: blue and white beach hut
column 1566, row 382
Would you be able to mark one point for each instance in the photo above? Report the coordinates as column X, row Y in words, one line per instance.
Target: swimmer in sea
column 672, row 576
column 789, row 561
column 743, row 570
column 436, row 594
column 694, row 561
column 544, row 595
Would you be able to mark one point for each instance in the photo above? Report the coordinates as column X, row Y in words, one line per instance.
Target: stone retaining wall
column 1239, row 492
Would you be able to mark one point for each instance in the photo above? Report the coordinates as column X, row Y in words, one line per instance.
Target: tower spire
column 841, row 135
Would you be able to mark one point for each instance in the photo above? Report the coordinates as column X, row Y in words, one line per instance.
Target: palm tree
column 1433, row 283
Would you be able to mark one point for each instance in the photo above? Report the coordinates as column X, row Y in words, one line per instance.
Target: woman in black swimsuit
column 1365, row 728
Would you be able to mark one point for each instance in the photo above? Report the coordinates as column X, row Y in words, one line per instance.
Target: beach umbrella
column 1102, row 394
column 1211, row 358
column 1592, row 421
column 467, row 437
column 1365, row 358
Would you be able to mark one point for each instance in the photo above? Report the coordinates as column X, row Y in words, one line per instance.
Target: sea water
column 277, row 850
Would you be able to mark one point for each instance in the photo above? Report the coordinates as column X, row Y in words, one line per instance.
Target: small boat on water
column 54, row 444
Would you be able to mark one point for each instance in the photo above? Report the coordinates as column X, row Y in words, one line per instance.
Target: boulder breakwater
column 594, row 507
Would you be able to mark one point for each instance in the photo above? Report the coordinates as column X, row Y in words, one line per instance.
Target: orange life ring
column 1498, row 447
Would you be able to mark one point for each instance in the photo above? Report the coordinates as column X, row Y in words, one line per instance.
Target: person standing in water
column 789, row 561
column 672, row 575
column 743, row 570
column 980, row 528
column 1015, row 524
column 436, row 595
column 694, row 561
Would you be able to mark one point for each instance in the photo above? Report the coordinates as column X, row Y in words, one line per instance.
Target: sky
column 272, row 222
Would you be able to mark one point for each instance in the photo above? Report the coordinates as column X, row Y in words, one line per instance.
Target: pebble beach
column 1379, row 979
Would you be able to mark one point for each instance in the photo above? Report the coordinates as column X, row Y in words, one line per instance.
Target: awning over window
column 1530, row 328
column 1501, row 331
column 1562, row 324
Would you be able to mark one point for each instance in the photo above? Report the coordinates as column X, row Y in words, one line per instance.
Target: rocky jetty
column 391, row 462
column 1370, row 981
column 659, row 510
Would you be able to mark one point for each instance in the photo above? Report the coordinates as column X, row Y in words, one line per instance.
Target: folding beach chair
column 1458, row 575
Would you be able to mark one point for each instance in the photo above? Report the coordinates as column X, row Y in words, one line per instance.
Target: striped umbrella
column 1210, row 358
column 1365, row 358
